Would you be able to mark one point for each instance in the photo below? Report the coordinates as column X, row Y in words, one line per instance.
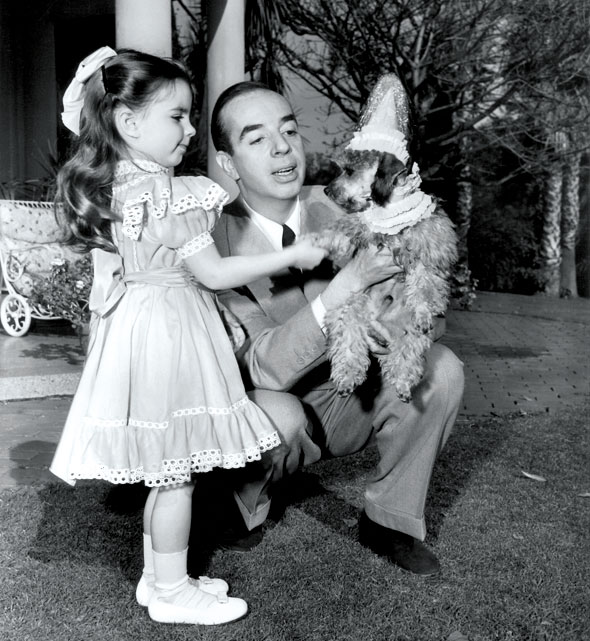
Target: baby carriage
column 29, row 247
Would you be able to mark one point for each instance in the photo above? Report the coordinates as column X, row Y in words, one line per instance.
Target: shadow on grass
column 99, row 524
column 92, row 524
column 514, row 551
column 339, row 507
column 470, row 445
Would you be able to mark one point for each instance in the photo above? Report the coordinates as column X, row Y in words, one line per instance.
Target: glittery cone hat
column 383, row 125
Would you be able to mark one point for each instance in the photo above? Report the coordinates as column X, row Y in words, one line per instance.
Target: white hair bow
column 74, row 96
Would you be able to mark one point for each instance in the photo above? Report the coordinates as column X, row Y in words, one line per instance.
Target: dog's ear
column 390, row 167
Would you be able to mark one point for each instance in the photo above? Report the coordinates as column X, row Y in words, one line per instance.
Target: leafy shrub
column 65, row 292
column 503, row 248
column 463, row 287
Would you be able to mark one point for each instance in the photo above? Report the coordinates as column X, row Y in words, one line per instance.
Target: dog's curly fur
column 408, row 302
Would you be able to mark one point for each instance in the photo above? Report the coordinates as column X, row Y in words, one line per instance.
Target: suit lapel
column 313, row 220
column 276, row 295
column 245, row 237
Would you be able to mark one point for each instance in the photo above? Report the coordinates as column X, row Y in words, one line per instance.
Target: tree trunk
column 570, row 218
column 551, row 238
column 583, row 247
column 463, row 212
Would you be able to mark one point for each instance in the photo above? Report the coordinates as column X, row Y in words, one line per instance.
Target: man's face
column 268, row 160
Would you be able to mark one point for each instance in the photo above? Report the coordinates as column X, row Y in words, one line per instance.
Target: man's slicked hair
column 219, row 133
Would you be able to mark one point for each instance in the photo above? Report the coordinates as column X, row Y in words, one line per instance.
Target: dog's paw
column 335, row 243
column 344, row 392
column 404, row 392
column 423, row 318
column 427, row 330
column 346, row 384
column 318, row 240
column 347, row 381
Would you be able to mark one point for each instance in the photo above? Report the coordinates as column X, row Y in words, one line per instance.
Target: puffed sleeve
column 178, row 212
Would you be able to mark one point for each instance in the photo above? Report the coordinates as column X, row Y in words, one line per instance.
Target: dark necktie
column 288, row 236
column 289, row 239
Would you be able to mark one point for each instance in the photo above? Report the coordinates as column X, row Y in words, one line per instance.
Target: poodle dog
column 383, row 206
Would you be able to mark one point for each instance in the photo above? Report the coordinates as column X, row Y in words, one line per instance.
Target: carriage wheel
column 15, row 315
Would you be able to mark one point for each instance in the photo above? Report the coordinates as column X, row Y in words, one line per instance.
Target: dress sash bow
column 110, row 282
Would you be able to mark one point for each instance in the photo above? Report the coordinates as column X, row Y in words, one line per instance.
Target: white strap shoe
column 145, row 588
column 188, row 603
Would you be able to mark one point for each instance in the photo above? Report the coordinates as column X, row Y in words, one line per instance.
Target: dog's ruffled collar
column 407, row 206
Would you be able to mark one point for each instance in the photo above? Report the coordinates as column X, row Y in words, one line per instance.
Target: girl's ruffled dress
column 161, row 394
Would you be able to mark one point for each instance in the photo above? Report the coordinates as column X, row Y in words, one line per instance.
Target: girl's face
column 163, row 128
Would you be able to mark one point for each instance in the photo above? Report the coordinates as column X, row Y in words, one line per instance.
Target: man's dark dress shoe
column 218, row 522
column 401, row 549
column 240, row 539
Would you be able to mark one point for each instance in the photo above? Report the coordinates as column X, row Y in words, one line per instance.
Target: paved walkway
column 521, row 353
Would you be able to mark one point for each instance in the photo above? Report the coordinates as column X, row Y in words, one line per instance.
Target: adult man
column 259, row 146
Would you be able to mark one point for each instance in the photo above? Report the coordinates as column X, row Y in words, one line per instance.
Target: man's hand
column 368, row 267
column 379, row 337
column 371, row 266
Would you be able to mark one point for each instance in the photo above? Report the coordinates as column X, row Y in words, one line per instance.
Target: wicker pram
column 29, row 246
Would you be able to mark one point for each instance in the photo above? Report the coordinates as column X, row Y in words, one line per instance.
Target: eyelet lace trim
column 133, row 210
column 191, row 411
column 137, row 169
column 216, row 197
column 180, row 470
column 194, row 245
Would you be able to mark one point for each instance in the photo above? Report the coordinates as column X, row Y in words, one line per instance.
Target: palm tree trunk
column 464, row 208
column 570, row 218
column 551, row 238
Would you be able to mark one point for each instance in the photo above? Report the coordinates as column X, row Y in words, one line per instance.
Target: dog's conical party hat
column 383, row 125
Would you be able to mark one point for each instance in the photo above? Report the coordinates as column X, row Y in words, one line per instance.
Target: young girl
column 161, row 396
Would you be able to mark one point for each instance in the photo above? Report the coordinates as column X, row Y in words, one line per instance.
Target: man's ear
column 126, row 121
column 225, row 161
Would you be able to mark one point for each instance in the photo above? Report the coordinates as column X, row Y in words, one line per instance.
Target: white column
column 145, row 25
column 225, row 66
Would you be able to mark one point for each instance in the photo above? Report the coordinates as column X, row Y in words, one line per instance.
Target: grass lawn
column 515, row 553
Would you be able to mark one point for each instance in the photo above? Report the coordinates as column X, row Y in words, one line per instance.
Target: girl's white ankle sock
column 170, row 569
column 148, row 558
column 145, row 587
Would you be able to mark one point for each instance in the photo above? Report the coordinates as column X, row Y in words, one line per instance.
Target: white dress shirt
column 274, row 233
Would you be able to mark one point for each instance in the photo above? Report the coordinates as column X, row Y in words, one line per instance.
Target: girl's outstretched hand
column 307, row 256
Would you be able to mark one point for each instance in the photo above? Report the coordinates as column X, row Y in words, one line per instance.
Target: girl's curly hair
column 85, row 182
